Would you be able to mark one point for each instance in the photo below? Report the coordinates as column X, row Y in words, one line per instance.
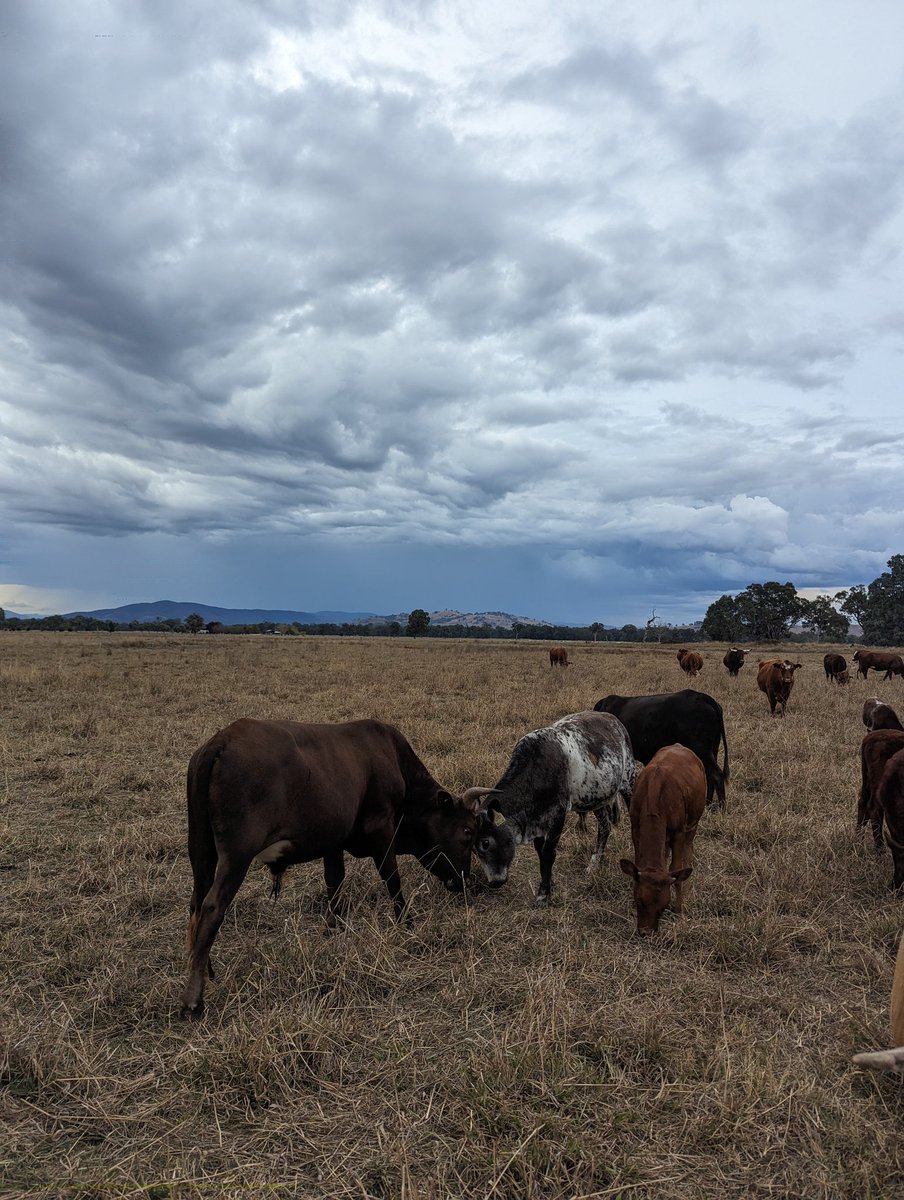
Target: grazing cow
column 891, row 1060
column 667, row 806
column 289, row 793
column 734, row 659
column 878, row 660
column 558, row 657
column 692, row 718
column 583, row 761
column 890, row 803
column 836, row 668
column 875, row 751
column 775, row 677
column 690, row 661
column 879, row 715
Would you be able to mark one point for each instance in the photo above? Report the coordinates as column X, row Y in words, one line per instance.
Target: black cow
column 694, row 719
column 836, row 668
column 583, row 762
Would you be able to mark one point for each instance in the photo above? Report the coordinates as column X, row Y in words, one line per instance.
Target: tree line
column 762, row 612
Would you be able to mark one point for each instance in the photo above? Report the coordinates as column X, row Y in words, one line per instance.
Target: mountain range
column 168, row 610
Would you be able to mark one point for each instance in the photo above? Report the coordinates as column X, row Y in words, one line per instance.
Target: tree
column 722, row 622
column 2, row 615
column 596, row 629
column 823, row 618
column 883, row 618
column 194, row 622
column 854, row 602
column 768, row 610
column 418, row 621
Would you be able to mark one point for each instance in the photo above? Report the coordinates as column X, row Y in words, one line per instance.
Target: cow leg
column 208, row 919
column 604, row 828
column 682, row 856
column 334, row 874
column 546, row 852
column 388, row 867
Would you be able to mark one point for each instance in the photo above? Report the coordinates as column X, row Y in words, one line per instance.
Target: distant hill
column 168, row 610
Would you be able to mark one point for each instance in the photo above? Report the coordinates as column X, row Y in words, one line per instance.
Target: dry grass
column 493, row 1051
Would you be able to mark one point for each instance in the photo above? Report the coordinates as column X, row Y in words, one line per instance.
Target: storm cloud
column 599, row 311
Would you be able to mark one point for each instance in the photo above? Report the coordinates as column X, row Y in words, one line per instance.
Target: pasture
column 494, row 1050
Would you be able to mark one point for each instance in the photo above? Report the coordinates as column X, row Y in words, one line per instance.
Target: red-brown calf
column 666, row 808
column 775, row 677
column 875, row 751
column 690, row 661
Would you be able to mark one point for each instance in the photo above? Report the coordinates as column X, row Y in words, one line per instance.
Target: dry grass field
column 492, row 1051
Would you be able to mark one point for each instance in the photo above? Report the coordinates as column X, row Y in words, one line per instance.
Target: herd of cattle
column 281, row 792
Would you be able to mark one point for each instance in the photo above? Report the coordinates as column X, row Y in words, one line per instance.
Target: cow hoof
column 541, row 900
column 192, row 1012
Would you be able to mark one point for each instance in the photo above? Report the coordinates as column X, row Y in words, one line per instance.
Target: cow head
column 444, row 838
column 843, row 676
column 495, row 843
column 652, row 892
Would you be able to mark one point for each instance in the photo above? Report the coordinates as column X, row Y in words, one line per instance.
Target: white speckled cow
column 582, row 762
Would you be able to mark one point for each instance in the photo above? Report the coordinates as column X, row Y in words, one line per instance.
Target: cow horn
column 474, row 793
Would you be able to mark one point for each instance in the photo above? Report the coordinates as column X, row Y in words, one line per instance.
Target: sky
column 574, row 311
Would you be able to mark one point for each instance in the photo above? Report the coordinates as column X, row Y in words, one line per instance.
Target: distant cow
column 878, row 660
column 667, row 806
column 690, row 661
column 879, row 715
column 690, row 717
column 890, row 803
column 875, row 751
column 734, row 659
column 836, row 668
column 582, row 762
column 289, row 793
column 775, row 677
column 558, row 657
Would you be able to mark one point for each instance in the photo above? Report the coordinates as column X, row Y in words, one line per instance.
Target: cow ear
column 629, row 868
column 680, row 876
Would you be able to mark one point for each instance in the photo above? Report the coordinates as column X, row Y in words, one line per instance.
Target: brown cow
column 668, row 802
column 558, row 657
column 890, row 803
column 878, row 660
column 879, row 715
column 835, row 666
column 691, row 662
column 875, row 751
column 734, row 659
column 891, row 1060
column 289, row 793
column 775, row 677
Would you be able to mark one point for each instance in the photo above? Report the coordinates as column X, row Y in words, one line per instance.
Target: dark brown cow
column 558, row 657
column 878, row 660
column 690, row 661
column 289, row 793
column 890, row 803
column 835, row 666
column 668, row 802
column 879, row 715
column 734, row 659
column 775, row 677
column 875, row 751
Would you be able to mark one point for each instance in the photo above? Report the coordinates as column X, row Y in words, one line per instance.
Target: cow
column 286, row 793
column 558, row 657
column 875, row 751
column 878, row 660
column 879, row 715
column 690, row 661
column 775, row 678
column 891, row 1060
column 666, row 808
column 690, row 717
column 836, row 668
column 890, row 804
column 583, row 762
column 734, row 659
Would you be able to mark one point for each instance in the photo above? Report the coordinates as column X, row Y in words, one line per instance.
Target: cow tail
column 202, row 849
column 725, row 748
